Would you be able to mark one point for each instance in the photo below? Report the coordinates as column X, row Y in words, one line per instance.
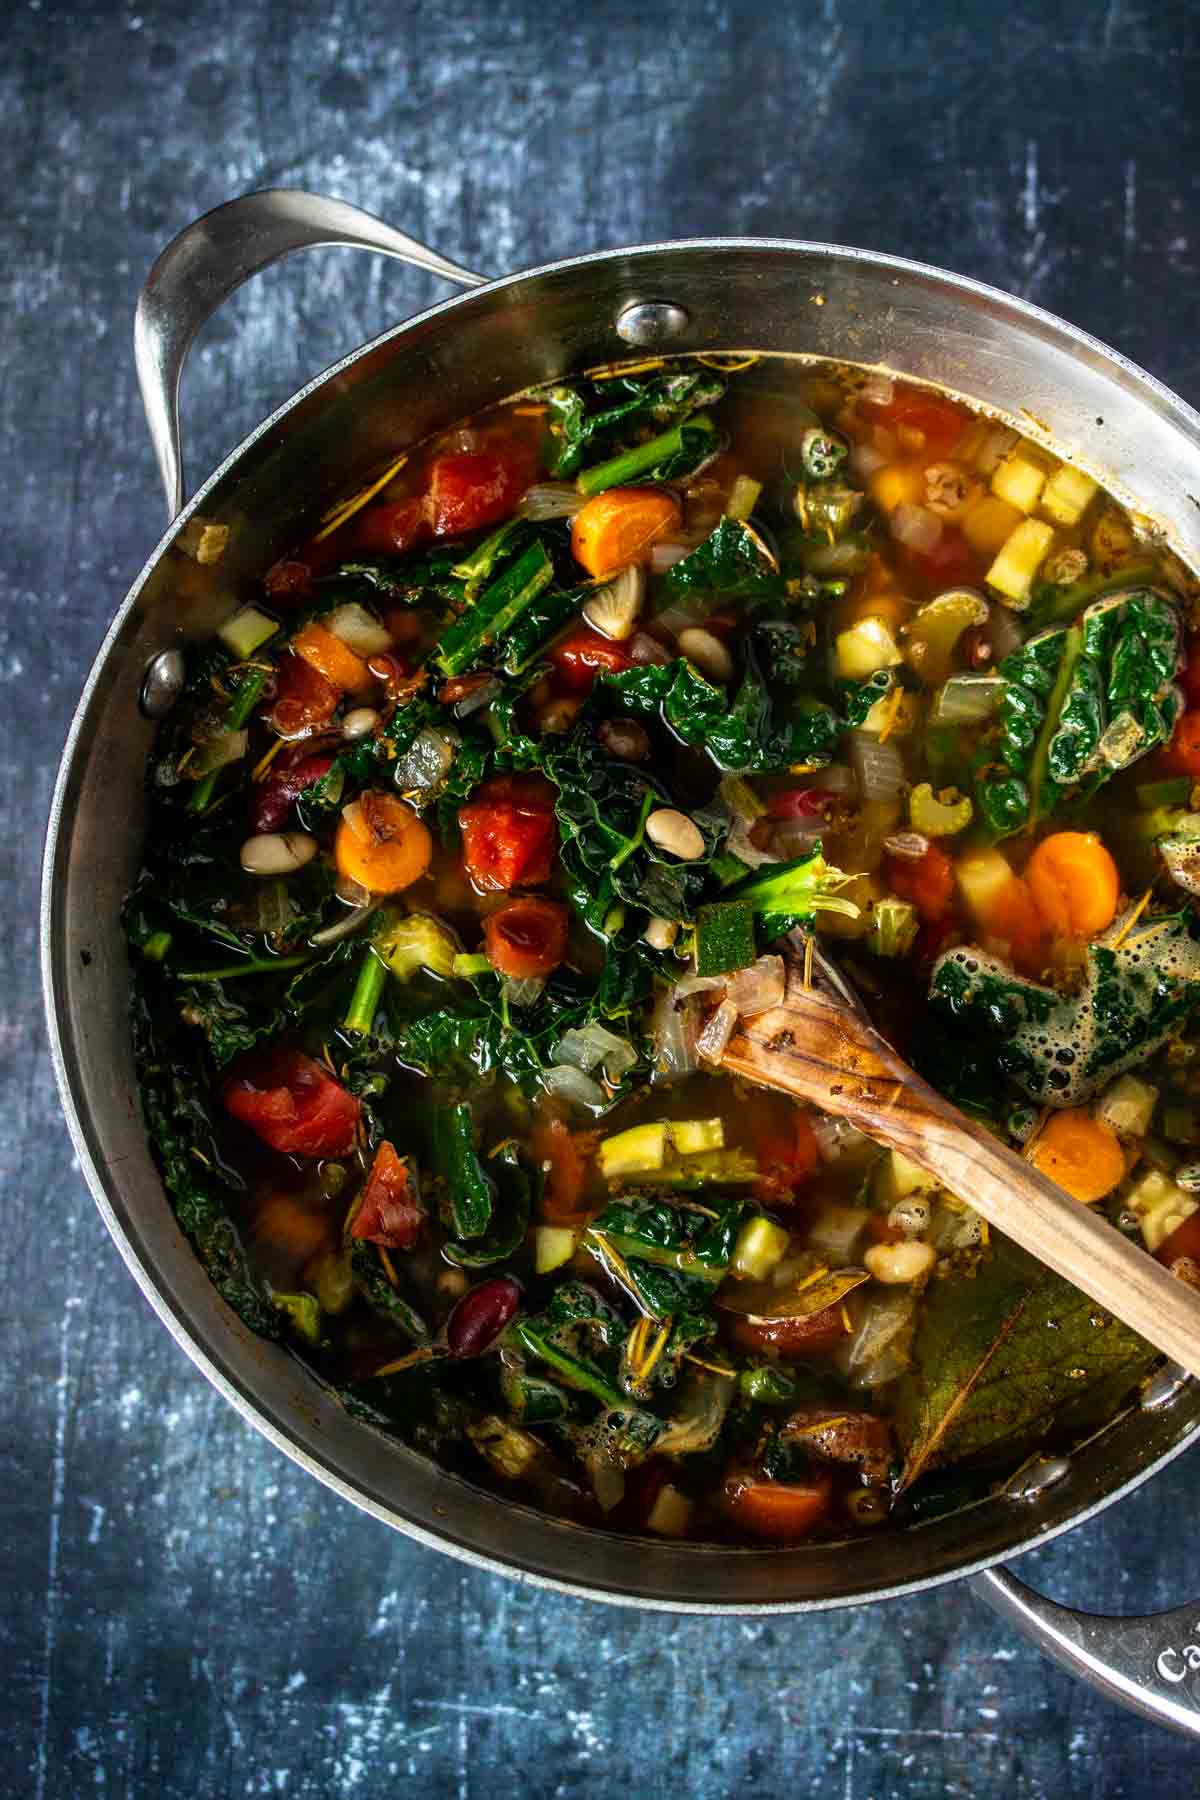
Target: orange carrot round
column 332, row 659
column 619, row 527
column 526, row 937
column 781, row 1512
column 381, row 844
column 1074, row 883
column 1080, row 1153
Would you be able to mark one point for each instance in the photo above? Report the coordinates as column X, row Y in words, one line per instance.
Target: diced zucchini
column 982, row 878
column 743, row 497
column 760, row 1245
column 895, row 1178
column 866, row 647
column 247, row 631
column 639, row 1151
column 358, row 629
column 553, row 1245
column 416, row 942
column 724, row 938
column 1159, row 1207
column 938, row 815
column 304, row 1314
column 711, row 1168
column 1020, row 478
column 671, row 1513
column 988, row 523
column 1019, row 560
column 1127, row 1107
column 690, row 1136
column 893, row 927
column 1067, row 495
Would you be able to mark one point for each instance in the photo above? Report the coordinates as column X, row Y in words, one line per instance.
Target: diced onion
column 359, row 630
column 674, row 619
column 878, row 765
column 967, row 699
column 837, row 1231
column 697, row 984
column 995, row 447
column 569, row 1083
column 590, row 1045
column 673, row 1035
column 879, row 1349
column 345, row 927
column 865, row 459
column 838, row 1140
column 646, row 649
column 718, row 1029
column 915, row 527
column 794, row 837
column 834, row 779
column 879, row 389
column 353, row 893
column 426, row 762
column 910, row 846
column 739, row 843
column 551, row 500
column 227, row 747
column 756, row 989
column 665, row 556
column 523, row 990
column 482, row 694
column 1003, row 632
column 613, row 608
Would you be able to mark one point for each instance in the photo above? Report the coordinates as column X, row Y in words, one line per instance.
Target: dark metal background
column 184, row 1614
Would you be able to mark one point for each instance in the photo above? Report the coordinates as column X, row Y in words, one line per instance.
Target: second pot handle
column 211, row 258
column 1149, row 1664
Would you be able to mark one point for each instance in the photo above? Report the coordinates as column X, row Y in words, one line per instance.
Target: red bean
column 481, row 1316
column 271, row 801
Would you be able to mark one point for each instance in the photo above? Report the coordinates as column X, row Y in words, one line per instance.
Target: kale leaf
column 743, row 734
column 596, row 417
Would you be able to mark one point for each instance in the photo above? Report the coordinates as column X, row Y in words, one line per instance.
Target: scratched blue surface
column 184, row 1614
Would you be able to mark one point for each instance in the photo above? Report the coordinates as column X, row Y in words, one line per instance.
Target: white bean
column 278, row 853
column 897, row 1264
column 707, row 652
column 660, row 934
column 674, row 831
column 356, row 724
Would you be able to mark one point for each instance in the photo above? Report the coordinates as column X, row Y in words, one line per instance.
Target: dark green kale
column 731, row 563
column 594, row 419
column 743, row 734
column 469, row 1192
column 372, row 1282
column 515, row 1188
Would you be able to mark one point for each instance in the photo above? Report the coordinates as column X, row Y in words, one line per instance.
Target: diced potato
column 897, row 482
column 553, row 1245
column 1067, row 495
column 866, row 647
column 895, row 1178
column 982, row 878
column 989, row 523
column 1159, row 1207
column 1021, row 478
column 1019, row 560
column 690, row 1136
column 671, row 1513
column 638, row 1151
column 760, row 1245
column 1127, row 1107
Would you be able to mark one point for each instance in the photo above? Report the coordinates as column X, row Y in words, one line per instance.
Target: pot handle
column 1149, row 1664
column 211, row 258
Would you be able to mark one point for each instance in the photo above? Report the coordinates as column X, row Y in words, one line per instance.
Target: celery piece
column 246, row 631
column 497, row 607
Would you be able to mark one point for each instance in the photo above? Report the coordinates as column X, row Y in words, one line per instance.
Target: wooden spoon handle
column 826, row 1054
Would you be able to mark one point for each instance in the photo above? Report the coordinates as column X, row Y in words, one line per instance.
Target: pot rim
column 214, row 1367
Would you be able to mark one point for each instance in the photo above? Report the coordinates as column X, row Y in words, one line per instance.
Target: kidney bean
column 481, row 1316
column 271, row 800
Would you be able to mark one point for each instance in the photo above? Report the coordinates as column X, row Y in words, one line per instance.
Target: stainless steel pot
column 725, row 294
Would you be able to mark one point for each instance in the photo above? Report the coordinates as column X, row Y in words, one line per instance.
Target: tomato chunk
column 1182, row 754
column 940, row 421
column 292, row 1103
column 583, row 655
column 293, row 770
column 526, row 938
column 812, row 1336
column 389, row 1212
column 565, row 1156
column 391, row 529
column 928, row 881
column 476, row 488
column 1189, row 678
column 1183, row 1246
column 781, row 1512
column 509, row 833
column 305, row 700
column 786, row 1163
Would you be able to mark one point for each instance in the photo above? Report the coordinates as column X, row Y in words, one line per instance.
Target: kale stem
column 368, row 992
column 240, row 707
column 639, row 832
column 632, row 463
column 265, row 965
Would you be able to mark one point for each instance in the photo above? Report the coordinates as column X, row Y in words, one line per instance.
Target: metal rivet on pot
column 648, row 323
column 1163, row 1387
column 162, row 684
column 1036, row 1476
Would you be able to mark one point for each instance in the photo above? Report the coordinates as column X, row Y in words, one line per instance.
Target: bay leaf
column 1007, row 1357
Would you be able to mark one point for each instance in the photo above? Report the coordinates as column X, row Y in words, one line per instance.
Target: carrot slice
column 619, row 527
column 381, row 844
column 565, row 1156
column 333, row 659
column 526, row 937
column 1080, row 1153
column 782, row 1512
column 1074, row 883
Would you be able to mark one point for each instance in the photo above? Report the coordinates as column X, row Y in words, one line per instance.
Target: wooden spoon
column 820, row 1046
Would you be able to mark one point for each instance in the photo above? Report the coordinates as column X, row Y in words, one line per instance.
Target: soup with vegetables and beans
column 479, row 826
